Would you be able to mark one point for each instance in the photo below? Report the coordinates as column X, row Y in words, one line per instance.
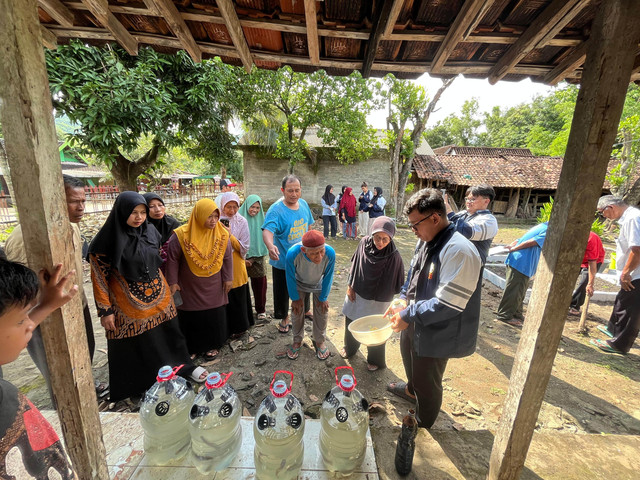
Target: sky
column 504, row 94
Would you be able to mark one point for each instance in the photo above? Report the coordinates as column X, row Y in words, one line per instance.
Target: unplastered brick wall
column 263, row 175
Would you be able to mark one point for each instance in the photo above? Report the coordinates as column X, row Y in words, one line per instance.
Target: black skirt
column 204, row 330
column 239, row 312
column 134, row 361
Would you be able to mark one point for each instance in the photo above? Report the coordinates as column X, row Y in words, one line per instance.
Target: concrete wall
column 263, row 175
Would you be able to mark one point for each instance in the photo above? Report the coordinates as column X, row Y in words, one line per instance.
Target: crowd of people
column 168, row 293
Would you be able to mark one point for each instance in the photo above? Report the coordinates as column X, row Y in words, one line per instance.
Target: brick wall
column 263, row 175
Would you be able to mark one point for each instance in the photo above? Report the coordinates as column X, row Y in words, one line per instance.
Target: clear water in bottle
column 214, row 424
column 164, row 415
column 278, row 430
column 344, row 420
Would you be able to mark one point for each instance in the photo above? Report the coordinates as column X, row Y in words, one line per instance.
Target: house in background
column 523, row 182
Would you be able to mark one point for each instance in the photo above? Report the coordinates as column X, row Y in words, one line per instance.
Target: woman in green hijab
column 252, row 210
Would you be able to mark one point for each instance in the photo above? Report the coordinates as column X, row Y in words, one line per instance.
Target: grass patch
column 497, row 392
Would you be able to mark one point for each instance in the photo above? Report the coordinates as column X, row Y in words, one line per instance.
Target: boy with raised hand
column 29, row 447
column 309, row 267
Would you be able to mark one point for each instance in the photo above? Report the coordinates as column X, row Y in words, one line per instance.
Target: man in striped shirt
column 437, row 312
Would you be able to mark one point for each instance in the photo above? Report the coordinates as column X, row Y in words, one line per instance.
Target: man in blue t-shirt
column 285, row 223
column 522, row 263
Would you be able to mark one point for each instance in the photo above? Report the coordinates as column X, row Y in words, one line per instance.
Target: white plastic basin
column 371, row 330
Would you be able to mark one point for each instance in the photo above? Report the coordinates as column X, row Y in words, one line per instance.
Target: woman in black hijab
column 329, row 205
column 164, row 223
column 134, row 302
column 376, row 275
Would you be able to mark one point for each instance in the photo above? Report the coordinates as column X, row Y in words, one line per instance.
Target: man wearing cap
column 309, row 268
column 286, row 221
column 624, row 322
column 363, row 211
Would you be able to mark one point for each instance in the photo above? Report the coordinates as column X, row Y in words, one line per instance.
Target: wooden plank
column 58, row 11
column 33, row 157
column 167, row 9
column 614, row 36
column 549, row 19
column 230, row 16
column 393, row 17
column 468, row 17
column 311, row 23
column 380, row 24
column 100, row 9
column 562, row 23
column 49, row 39
column 569, row 64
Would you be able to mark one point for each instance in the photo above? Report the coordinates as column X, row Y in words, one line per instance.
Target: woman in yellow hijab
column 199, row 271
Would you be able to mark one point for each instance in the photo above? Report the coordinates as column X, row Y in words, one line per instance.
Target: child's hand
column 53, row 293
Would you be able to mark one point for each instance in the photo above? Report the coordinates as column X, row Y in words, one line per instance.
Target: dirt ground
column 589, row 392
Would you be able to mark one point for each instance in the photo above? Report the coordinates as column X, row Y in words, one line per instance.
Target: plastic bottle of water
column 278, row 431
column 344, row 420
column 164, row 415
column 214, row 423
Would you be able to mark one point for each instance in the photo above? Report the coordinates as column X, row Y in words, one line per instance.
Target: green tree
column 408, row 114
column 284, row 104
column 118, row 99
column 458, row 130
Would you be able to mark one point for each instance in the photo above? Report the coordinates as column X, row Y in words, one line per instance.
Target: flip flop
column 211, row 356
column 284, row 328
column 605, row 330
column 308, row 316
column 605, row 347
column 323, row 353
column 293, row 353
column 371, row 367
column 199, row 375
column 514, row 322
column 343, row 353
column 102, row 389
column 399, row 389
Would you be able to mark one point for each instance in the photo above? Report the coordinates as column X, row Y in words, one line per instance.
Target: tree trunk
column 512, row 207
column 126, row 173
column 526, row 211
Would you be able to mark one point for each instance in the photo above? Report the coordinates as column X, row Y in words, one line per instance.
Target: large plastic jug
column 214, row 424
column 344, row 420
column 278, row 431
column 164, row 415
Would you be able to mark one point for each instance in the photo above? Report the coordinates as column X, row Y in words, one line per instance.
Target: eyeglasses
column 599, row 213
column 470, row 199
column 414, row 226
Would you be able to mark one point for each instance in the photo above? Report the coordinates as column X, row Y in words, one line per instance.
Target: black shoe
column 406, row 444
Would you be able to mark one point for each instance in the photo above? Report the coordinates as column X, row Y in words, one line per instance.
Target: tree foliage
column 458, row 130
column 278, row 108
column 118, row 99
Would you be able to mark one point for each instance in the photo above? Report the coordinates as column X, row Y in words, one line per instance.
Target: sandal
column 262, row 316
column 371, row 367
column 293, row 353
column 605, row 347
column 400, row 389
column 308, row 316
column 199, row 375
column 323, row 353
column 102, row 389
column 211, row 355
column 605, row 330
column 343, row 353
column 284, row 328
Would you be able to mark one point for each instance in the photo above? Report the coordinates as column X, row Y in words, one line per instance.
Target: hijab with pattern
column 132, row 251
column 237, row 224
column 165, row 225
column 257, row 248
column 203, row 248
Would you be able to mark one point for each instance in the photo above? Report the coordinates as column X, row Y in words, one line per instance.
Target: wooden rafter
column 58, row 11
column 467, row 19
column 170, row 13
column 230, row 16
column 393, row 17
column 569, row 64
column 100, row 10
column 49, row 38
column 554, row 17
column 311, row 22
column 380, row 24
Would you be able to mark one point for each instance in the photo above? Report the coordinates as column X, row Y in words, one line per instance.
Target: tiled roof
column 458, row 150
column 501, row 171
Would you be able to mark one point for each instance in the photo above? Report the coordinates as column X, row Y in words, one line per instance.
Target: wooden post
column 615, row 34
column 512, row 206
column 34, row 162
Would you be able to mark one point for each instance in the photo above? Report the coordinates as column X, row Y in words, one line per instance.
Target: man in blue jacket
column 437, row 312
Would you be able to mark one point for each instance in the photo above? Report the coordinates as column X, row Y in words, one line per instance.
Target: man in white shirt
column 624, row 323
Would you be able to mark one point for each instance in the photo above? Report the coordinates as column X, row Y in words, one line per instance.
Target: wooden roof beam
column 230, row 16
column 380, row 24
column 569, row 64
column 49, row 38
column 100, row 10
column 311, row 22
column 58, row 11
column 393, row 17
column 167, row 9
column 553, row 18
column 466, row 21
